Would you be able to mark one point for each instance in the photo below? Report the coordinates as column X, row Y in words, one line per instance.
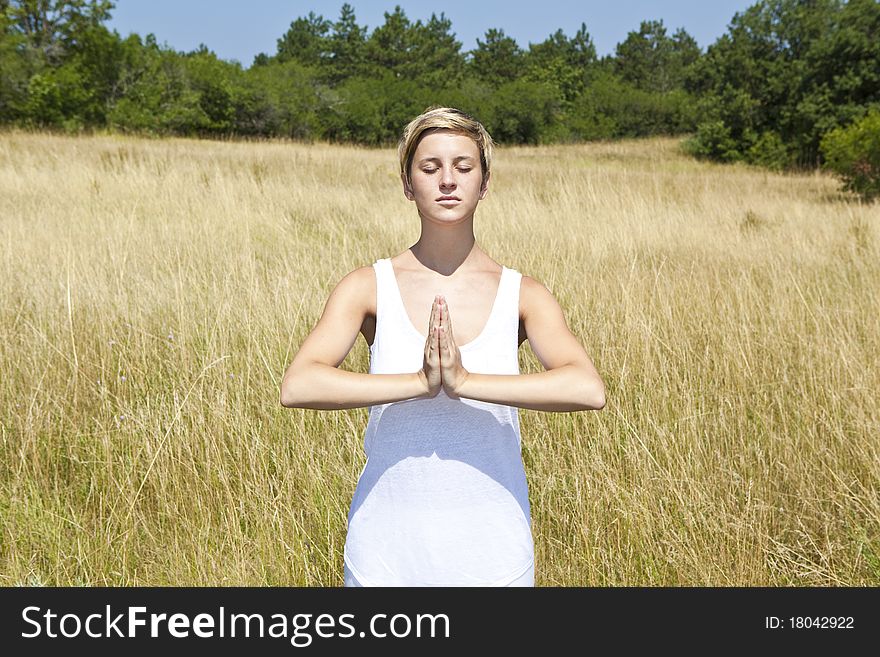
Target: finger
column 430, row 350
column 433, row 320
column 447, row 319
column 440, row 320
column 447, row 323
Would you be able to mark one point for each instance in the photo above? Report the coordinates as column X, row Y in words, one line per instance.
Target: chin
column 456, row 218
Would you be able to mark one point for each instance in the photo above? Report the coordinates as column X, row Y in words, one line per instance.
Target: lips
column 448, row 198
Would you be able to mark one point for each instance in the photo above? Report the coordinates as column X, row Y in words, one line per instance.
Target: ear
column 407, row 190
column 485, row 188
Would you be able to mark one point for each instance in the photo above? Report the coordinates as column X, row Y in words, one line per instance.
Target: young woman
column 442, row 499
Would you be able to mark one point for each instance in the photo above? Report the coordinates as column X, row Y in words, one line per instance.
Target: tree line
column 785, row 75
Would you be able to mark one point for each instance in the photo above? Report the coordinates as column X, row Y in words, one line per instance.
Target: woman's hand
column 452, row 372
column 430, row 375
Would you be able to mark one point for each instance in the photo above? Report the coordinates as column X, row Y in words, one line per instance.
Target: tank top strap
column 507, row 312
column 386, row 295
column 379, row 267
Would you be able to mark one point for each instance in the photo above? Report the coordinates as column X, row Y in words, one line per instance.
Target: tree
column 653, row 61
column 578, row 52
column 389, row 47
column 279, row 99
column 261, row 59
column 562, row 62
column 416, row 51
column 437, row 53
column 523, row 112
column 53, row 26
column 96, row 54
column 853, row 153
column 841, row 77
column 155, row 93
column 214, row 81
column 306, row 41
column 347, row 48
column 373, row 110
column 787, row 72
column 14, row 73
column 686, row 50
column 498, row 59
column 58, row 62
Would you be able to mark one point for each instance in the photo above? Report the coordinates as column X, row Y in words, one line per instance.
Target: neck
column 445, row 248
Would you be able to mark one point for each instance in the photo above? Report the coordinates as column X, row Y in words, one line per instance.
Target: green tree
column 651, row 60
column 853, row 153
column 155, row 92
column 214, row 81
column 52, row 72
column 389, row 47
column 427, row 52
column 261, row 59
column 523, row 112
column 786, row 72
column 279, row 99
column 577, row 52
column 841, row 77
column 436, row 54
column 54, row 98
column 562, row 62
column 614, row 108
column 373, row 110
column 14, row 69
column 53, row 26
column 96, row 55
column 685, row 54
column 347, row 48
column 306, row 41
column 498, row 59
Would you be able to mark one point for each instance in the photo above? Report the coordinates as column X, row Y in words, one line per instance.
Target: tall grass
column 154, row 292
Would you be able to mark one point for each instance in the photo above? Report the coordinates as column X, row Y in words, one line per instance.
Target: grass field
column 153, row 293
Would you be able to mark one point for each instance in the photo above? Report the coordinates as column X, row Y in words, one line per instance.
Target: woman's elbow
column 287, row 399
column 291, row 392
column 594, row 399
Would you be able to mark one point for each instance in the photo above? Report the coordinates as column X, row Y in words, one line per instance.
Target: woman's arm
column 314, row 380
column 570, row 382
column 565, row 388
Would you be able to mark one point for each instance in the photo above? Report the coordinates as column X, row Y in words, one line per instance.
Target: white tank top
column 442, row 499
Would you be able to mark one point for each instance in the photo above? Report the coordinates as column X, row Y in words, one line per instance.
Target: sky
column 240, row 30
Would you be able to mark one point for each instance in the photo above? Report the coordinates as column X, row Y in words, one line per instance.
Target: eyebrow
column 437, row 159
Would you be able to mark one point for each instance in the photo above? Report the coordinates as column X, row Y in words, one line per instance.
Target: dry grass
column 154, row 292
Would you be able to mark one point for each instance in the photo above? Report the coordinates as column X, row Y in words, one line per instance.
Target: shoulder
column 360, row 276
column 358, row 288
column 358, row 279
column 534, row 297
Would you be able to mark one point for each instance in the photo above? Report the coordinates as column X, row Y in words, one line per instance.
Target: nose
column 447, row 180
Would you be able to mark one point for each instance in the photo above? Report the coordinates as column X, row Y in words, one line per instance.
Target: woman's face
column 446, row 164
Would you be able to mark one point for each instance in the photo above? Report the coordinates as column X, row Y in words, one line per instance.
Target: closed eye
column 466, row 170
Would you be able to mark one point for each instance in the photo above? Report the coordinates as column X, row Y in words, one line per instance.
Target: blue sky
column 239, row 30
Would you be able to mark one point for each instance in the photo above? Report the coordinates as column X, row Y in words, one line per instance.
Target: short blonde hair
column 448, row 118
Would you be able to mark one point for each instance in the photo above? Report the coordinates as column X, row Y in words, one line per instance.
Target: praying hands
column 441, row 366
